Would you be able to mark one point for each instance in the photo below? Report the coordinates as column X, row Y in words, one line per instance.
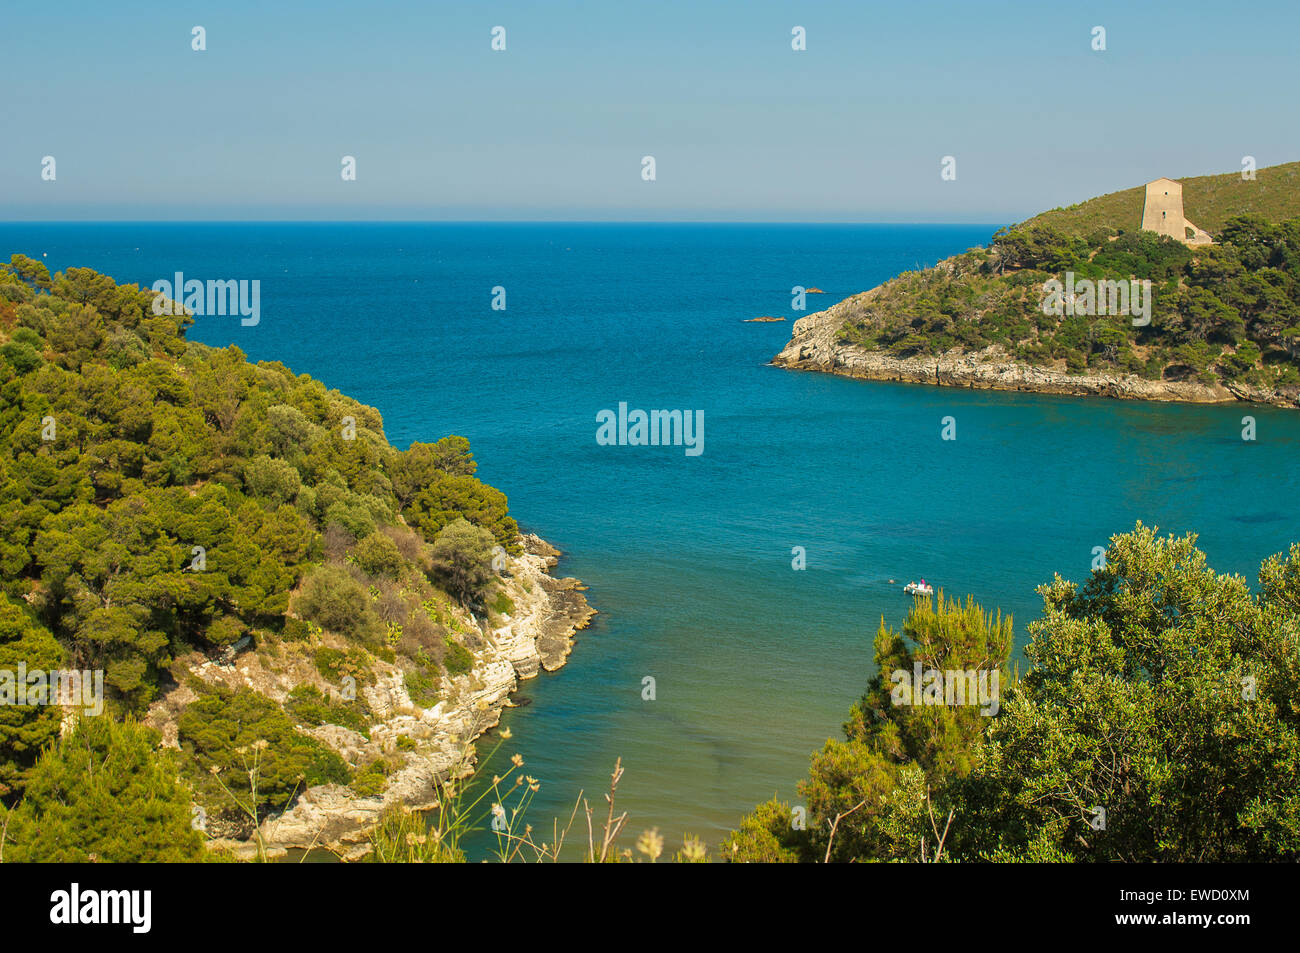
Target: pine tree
column 24, row 729
column 104, row 793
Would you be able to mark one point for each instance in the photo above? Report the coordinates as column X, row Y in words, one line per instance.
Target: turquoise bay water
column 689, row 558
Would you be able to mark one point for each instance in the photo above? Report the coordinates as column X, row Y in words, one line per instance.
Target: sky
column 741, row 126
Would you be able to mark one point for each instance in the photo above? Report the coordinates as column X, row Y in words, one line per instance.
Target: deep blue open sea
column 689, row 557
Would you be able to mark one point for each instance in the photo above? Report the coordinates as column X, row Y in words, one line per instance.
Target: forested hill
column 1216, row 322
column 160, row 499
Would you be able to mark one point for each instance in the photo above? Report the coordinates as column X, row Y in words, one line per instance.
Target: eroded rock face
column 556, row 609
column 351, row 746
column 537, row 635
column 813, row 346
column 387, row 697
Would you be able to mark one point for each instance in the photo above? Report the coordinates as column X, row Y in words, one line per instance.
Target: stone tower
column 1162, row 213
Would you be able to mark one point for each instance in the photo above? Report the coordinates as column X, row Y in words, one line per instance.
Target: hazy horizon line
column 492, row 221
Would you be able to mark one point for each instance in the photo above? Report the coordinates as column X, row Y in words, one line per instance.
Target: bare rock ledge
column 538, row 635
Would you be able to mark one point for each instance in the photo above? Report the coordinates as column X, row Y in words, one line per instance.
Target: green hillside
column 1222, row 314
column 1208, row 201
column 163, row 500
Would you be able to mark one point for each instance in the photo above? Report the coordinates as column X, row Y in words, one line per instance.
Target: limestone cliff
column 537, row 635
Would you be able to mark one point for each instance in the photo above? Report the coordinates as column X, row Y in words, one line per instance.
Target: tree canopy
column 1159, row 721
column 104, row 793
column 160, row 498
column 1222, row 313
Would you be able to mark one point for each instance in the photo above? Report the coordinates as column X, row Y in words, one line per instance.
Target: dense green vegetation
column 1161, row 693
column 162, row 500
column 24, row 729
column 104, row 793
column 221, row 732
column 1227, row 312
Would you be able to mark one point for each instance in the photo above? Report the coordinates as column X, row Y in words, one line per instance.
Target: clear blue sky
column 741, row 126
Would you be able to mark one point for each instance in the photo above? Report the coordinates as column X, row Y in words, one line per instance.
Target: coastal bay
column 689, row 559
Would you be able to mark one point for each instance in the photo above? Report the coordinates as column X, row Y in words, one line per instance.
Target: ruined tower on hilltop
column 1162, row 213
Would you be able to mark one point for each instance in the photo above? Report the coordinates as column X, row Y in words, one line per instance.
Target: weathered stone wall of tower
column 1162, row 213
column 1163, row 210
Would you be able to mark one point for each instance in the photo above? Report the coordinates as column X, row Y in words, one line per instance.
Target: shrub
column 377, row 555
column 407, row 541
column 288, row 429
column 225, row 630
column 230, row 731
column 352, row 517
column 458, row 659
column 501, row 603
column 420, row 634
column 272, row 481
column 1241, row 365
column 371, row 780
column 422, row 685
column 309, row 706
column 766, row 836
column 335, row 665
column 296, row 630
column 21, row 355
column 462, row 558
column 333, row 599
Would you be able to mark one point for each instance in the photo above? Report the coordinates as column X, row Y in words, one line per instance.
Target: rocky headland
column 816, row 345
column 538, row 635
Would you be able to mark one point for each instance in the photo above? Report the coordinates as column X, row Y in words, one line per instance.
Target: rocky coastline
column 815, row 346
column 538, row 635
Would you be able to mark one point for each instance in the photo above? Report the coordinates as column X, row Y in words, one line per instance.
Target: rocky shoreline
column 814, row 346
column 537, row 636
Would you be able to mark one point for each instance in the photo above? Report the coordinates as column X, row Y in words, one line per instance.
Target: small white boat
column 918, row 589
